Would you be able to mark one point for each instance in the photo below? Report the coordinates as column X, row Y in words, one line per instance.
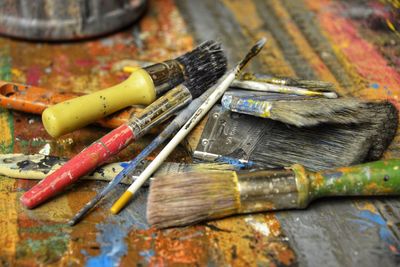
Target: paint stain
column 375, row 86
column 367, row 220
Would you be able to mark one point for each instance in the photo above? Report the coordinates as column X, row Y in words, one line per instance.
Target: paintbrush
column 143, row 86
column 266, row 83
column 220, row 88
column 283, row 89
column 266, row 143
column 35, row 100
column 309, row 84
column 38, row 166
column 173, row 126
column 298, row 112
column 188, row 198
column 119, row 138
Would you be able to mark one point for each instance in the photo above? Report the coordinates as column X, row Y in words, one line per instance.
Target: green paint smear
column 5, row 74
column 46, row 251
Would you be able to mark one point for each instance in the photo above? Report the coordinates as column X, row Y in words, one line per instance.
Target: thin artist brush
column 221, row 87
column 172, row 127
column 188, row 198
column 266, row 83
column 143, row 86
column 38, row 166
column 119, row 138
column 284, row 89
column 309, row 84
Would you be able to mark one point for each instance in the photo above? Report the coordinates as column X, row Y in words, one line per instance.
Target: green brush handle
column 377, row 178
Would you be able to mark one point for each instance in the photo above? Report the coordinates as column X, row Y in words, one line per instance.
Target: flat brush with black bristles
column 188, row 198
column 142, row 87
column 256, row 142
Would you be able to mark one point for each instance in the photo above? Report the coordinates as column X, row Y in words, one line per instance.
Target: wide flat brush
column 298, row 112
column 220, row 88
column 266, row 143
column 188, row 198
column 113, row 142
column 143, row 86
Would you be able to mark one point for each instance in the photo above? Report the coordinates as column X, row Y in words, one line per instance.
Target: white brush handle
column 185, row 130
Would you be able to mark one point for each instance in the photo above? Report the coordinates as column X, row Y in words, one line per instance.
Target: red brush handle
column 83, row 163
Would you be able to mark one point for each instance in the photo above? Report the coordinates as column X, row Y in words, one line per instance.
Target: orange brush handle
column 32, row 99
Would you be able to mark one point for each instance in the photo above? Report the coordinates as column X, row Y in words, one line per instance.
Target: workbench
column 352, row 44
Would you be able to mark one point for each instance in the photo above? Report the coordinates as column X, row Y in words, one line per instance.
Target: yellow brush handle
column 76, row 113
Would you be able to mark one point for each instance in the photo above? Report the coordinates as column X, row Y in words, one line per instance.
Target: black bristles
column 203, row 66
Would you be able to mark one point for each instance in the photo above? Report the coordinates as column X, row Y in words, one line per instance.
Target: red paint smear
column 368, row 62
column 86, row 63
column 33, row 75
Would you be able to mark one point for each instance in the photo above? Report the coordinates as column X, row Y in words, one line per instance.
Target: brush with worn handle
column 220, row 88
column 182, row 199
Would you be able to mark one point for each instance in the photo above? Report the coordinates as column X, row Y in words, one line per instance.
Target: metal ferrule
column 160, row 110
column 165, row 75
column 267, row 190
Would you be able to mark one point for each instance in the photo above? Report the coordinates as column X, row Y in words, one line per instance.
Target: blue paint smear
column 238, row 164
column 113, row 247
column 369, row 219
column 147, row 254
column 374, row 85
column 112, row 232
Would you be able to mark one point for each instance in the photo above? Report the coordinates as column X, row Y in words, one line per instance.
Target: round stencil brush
column 142, row 87
column 182, row 199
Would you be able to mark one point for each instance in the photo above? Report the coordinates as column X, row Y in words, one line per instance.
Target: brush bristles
column 317, row 111
column 203, row 66
column 187, row 198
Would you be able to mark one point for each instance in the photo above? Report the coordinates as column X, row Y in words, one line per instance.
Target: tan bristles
column 187, row 198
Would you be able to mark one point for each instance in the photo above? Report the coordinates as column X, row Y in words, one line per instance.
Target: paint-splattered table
column 353, row 44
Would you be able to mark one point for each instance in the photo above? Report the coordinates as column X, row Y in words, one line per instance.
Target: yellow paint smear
column 9, row 216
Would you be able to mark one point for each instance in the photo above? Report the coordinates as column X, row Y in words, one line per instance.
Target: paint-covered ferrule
column 267, row 190
column 165, row 75
column 80, row 165
column 160, row 110
column 247, row 106
column 369, row 179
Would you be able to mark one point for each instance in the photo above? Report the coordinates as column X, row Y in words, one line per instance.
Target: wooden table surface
column 353, row 44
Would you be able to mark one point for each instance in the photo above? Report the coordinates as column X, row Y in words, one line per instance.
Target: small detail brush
column 283, row 89
column 143, row 86
column 188, row 198
column 220, row 88
column 172, row 127
column 309, row 84
column 38, row 166
column 101, row 150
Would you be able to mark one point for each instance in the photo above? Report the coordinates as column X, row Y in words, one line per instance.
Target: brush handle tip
column 121, row 202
